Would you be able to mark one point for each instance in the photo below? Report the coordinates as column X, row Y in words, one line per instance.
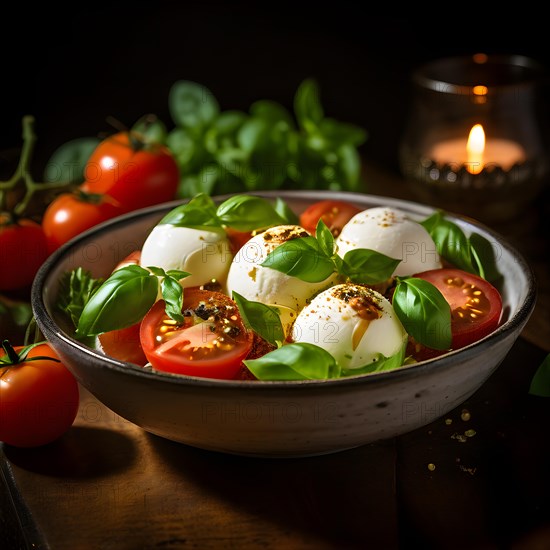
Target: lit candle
column 476, row 152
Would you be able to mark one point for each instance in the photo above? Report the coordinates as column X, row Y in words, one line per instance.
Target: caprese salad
column 248, row 289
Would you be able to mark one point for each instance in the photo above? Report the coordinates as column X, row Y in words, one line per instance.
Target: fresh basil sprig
column 240, row 212
column 473, row 254
column 264, row 320
column 380, row 364
column 368, row 267
column 227, row 151
column 127, row 295
column 76, row 287
column 285, row 212
column 314, row 259
column 305, row 361
column 248, row 212
column 424, row 312
column 171, row 290
column 198, row 213
column 302, row 258
column 297, row 361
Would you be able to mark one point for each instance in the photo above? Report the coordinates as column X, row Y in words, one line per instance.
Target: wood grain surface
column 477, row 478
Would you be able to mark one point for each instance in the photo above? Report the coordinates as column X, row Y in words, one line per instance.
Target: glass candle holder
column 476, row 138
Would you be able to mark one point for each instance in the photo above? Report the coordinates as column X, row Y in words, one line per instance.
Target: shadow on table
column 348, row 497
column 82, row 453
column 477, row 478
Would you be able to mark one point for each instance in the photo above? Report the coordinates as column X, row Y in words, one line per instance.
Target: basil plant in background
column 231, row 151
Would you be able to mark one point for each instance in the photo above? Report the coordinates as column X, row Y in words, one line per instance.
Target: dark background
column 72, row 68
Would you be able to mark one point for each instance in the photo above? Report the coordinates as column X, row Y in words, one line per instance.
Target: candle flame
column 475, row 148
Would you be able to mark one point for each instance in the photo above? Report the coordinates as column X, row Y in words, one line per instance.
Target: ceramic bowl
column 277, row 419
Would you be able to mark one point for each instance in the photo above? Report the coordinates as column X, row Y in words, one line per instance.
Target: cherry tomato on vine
column 69, row 214
column 39, row 397
column 134, row 173
column 335, row 214
column 476, row 307
column 211, row 343
column 23, row 249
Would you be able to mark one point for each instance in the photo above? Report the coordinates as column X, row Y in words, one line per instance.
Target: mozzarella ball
column 352, row 322
column 206, row 255
column 390, row 232
column 264, row 284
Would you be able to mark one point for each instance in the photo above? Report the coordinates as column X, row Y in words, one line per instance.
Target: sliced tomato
column 211, row 342
column 476, row 307
column 132, row 259
column 237, row 239
column 335, row 214
column 123, row 344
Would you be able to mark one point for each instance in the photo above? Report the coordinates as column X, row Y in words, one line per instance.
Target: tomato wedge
column 123, row 344
column 335, row 214
column 476, row 306
column 211, row 343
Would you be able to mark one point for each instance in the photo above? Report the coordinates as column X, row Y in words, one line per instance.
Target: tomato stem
column 10, row 352
column 22, row 173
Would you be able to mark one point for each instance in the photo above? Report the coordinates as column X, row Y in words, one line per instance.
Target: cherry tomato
column 123, row 344
column 38, row 398
column 211, row 343
column 237, row 239
column 135, row 174
column 335, row 214
column 132, row 259
column 23, row 249
column 69, row 214
column 476, row 306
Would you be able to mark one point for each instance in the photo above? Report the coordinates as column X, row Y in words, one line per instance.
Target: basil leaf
column 347, row 170
column 301, row 258
column 121, row 301
column 484, row 258
column 76, row 287
column 68, row 162
column 222, row 133
column 338, row 133
column 264, row 320
column 199, row 212
column 172, row 294
column 307, row 105
column 267, row 153
column 21, row 313
column 452, row 244
column 150, row 129
column 297, row 361
column 325, row 238
column 285, row 212
column 192, row 105
column 171, row 290
column 540, row 383
column 182, row 145
column 431, row 222
column 271, row 111
column 369, row 267
column 424, row 312
column 177, row 274
column 247, row 212
column 382, row 363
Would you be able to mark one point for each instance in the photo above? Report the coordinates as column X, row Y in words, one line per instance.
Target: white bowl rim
column 51, row 331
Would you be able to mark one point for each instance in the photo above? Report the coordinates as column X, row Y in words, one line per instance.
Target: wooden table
column 477, row 478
